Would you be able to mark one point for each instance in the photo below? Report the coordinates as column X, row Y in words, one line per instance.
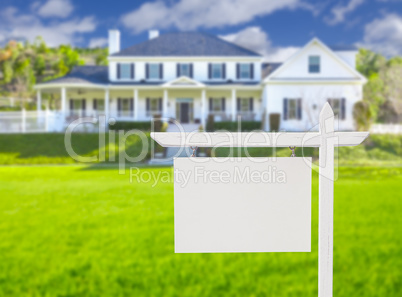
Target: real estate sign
column 242, row 205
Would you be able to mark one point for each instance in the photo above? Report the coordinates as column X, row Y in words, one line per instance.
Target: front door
column 184, row 112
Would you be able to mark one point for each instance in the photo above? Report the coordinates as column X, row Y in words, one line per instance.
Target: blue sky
column 275, row 28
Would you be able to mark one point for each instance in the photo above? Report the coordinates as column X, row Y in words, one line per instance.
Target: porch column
column 135, row 104
column 233, row 105
column 203, row 108
column 63, row 101
column 38, row 102
column 107, row 105
column 165, row 104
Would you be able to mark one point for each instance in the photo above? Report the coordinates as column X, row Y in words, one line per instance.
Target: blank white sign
column 242, row 205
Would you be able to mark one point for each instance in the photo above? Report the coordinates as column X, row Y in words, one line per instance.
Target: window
column 216, row 105
column 245, row 71
column 292, row 109
column 217, row 71
column 153, row 71
column 244, row 105
column 314, row 64
column 153, row 106
column 125, row 71
column 338, row 106
column 184, row 70
column 99, row 104
column 125, row 107
column 76, row 105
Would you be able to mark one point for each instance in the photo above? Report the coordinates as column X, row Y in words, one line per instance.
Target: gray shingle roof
column 268, row 68
column 84, row 75
column 343, row 47
column 186, row 44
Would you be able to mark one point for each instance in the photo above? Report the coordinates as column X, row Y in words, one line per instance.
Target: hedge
column 120, row 125
column 245, row 126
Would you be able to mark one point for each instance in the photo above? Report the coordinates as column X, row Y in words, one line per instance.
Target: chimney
column 114, row 41
column 153, row 34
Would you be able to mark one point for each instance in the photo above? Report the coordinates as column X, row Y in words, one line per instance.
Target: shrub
column 143, row 126
column 274, row 121
column 233, row 126
column 210, row 123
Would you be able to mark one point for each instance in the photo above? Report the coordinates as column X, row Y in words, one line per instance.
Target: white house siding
column 200, row 69
column 312, row 95
column 348, row 56
column 329, row 68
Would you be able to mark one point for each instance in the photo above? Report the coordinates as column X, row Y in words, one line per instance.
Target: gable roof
column 183, row 81
column 327, row 49
column 186, row 44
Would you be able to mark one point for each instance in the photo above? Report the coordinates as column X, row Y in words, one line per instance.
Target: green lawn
column 82, row 231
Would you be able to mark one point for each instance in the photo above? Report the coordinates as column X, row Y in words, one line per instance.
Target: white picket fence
column 30, row 121
column 386, row 129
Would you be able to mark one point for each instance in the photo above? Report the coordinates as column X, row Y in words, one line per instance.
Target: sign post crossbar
column 326, row 139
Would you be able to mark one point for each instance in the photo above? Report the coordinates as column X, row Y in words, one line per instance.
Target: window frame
column 294, row 103
column 98, row 103
column 248, row 65
column 221, row 71
column 217, row 102
column 151, row 110
column 157, row 65
column 122, row 66
column 244, row 102
column 181, row 70
column 312, row 64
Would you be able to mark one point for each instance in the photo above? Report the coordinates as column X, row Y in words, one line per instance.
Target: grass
column 87, row 231
column 49, row 148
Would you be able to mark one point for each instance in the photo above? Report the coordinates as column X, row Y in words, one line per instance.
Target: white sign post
column 326, row 139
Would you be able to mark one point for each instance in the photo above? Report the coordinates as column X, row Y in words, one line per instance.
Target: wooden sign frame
column 326, row 139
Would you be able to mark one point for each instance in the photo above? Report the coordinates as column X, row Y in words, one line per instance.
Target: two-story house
column 188, row 76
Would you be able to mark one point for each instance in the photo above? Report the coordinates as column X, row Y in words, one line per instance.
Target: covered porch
column 183, row 102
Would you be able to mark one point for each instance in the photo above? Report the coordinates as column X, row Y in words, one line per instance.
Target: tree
column 39, row 65
column 101, row 59
column 362, row 115
column 368, row 62
column 392, row 77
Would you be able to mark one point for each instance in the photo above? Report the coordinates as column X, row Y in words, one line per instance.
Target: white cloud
column 54, row 8
column 98, row 42
column 340, row 11
column 384, row 35
column 193, row 14
column 254, row 38
column 15, row 25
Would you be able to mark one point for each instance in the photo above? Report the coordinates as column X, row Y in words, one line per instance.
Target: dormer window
column 314, row 64
column 216, row 71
